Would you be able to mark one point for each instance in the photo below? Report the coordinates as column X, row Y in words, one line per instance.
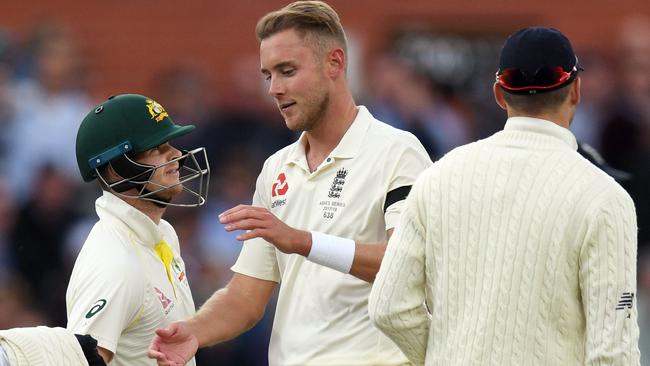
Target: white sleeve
column 257, row 257
column 404, row 168
column 106, row 300
column 396, row 303
column 608, row 284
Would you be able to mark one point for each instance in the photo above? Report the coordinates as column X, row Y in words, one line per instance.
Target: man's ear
column 574, row 93
column 498, row 96
column 109, row 173
column 336, row 61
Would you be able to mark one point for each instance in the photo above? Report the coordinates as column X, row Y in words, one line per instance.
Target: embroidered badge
column 156, row 110
column 166, row 302
column 337, row 184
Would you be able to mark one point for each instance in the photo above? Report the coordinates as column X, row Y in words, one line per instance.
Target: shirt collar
column 349, row 145
column 541, row 126
column 111, row 207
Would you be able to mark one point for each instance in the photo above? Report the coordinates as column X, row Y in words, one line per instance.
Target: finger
column 234, row 209
column 250, row 235
column 167, row 332
column 243, row 214
column 246, row 224
column 155, row 354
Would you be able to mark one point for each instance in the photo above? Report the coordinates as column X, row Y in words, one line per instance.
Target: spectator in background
column 409, row 100
column 6, row 101
column 49, row 104
column 248, row 122
column 38, row 239
column 597, row 100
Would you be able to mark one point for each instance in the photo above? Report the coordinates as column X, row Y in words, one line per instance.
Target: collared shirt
column 357, row 192
column 524, row 252
column 119, row 290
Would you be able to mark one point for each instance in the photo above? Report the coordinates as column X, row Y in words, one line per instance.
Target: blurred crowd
column 46, row 211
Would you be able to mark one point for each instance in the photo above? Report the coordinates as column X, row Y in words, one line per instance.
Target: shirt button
column 329, row 159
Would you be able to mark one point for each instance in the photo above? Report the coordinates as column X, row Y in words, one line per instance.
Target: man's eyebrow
column 277, row 66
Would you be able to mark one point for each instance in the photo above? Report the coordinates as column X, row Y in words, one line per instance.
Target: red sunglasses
column 544, row 78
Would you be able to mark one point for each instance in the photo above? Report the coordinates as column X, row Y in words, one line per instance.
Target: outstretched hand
column 174, row 345
column 261, row 223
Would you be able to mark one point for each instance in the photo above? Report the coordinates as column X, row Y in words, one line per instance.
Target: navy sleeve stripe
column 396, row 195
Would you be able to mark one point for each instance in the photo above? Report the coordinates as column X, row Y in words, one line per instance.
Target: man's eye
column 288, row 72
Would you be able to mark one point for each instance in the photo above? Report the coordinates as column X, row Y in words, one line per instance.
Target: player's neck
column 322, row 139
column 148, row 208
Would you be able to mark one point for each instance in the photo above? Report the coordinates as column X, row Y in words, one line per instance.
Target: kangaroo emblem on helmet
column 156, row 110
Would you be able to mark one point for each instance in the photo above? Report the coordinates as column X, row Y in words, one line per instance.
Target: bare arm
column 232, row 310
column 367, row 259
column 261, row 223
column 228, row 313
column 106, row 354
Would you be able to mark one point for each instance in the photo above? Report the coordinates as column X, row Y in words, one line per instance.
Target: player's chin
column 173, row 190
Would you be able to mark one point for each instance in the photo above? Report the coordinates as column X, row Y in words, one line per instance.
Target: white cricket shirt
column 119, row 290
column 321, row 316
column 524, row 251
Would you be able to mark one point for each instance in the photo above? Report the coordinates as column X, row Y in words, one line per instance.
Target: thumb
column 168, row 331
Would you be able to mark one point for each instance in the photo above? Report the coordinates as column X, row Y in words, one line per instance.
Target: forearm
column 221, row 318
column 367, row 259
column 396, row 302
column 396, row 306
column 361, row 260
column 231, row 310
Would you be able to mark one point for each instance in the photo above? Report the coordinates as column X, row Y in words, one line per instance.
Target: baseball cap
column 536, row 60
column 126, row 123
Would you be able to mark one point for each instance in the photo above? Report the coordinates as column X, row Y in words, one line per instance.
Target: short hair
column 313, row 18
column 537, row 103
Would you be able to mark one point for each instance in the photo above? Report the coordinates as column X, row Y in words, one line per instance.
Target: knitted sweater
column 42, row 346
column 522, row 250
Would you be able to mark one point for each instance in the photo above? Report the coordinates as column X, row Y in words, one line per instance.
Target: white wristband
column 332, row 251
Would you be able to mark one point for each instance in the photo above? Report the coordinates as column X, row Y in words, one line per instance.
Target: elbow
column 380, row 320
column 253, row 316
column 379, row 314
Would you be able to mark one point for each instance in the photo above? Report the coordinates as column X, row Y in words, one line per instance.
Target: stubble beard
column 315, row 113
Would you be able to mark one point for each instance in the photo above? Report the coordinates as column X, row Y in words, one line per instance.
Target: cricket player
column 524, row 251
column 129, row 277
column 322, row 211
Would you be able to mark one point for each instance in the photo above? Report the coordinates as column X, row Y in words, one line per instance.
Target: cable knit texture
column 42, row 346
column 522, row 250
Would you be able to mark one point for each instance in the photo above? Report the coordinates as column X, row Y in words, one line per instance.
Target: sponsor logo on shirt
column 625, row 302
column 280, row 188
column 166, row 302
column 96, row 308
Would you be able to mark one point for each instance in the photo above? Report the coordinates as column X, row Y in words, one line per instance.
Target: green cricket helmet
column 126, row 125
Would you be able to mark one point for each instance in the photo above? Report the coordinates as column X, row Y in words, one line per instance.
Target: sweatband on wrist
column 332, row 251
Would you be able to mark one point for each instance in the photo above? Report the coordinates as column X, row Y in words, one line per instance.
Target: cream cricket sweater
column 42, row 346
column 524, row 252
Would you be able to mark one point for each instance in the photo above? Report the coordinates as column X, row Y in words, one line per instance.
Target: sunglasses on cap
column 545, row 78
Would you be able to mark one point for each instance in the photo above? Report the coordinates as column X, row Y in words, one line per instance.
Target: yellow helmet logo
column 156, row 110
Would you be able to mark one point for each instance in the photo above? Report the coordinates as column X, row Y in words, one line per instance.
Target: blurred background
column 424, row 66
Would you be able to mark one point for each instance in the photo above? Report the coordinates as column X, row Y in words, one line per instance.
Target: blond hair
column 309, row 18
